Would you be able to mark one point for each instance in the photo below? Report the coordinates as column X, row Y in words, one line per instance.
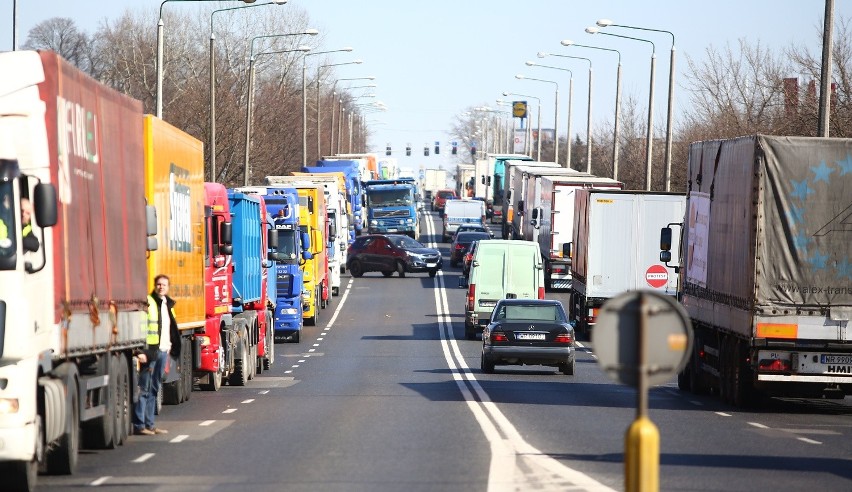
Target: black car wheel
column 355, row 268
column 567, row 368
column 388, row 273
column 400, row 268
column 486, row 365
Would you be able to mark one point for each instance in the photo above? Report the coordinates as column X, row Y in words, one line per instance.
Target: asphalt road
column 385, row 394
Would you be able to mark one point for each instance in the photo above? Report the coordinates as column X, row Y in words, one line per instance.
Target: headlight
column 290, row 311
column 374, row 222
column 409, row 221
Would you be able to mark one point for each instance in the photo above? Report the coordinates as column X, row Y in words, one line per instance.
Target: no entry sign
column 657, row 276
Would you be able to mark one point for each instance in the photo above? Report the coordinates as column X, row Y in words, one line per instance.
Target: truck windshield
column 389, row 198
column 7, row 223
column 288, row 245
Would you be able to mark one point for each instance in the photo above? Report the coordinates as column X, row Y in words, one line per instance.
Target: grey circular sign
column 642, row 330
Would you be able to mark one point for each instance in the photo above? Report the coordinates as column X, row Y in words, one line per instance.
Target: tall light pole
column 319, row 70
column 334, row 97
column 510, row 128
column 649, row 147
column 542, row 54
column 570, row 99
column 538, row 150
column 250, row 103
column 212, row 71
column 615, row 145
column 555, row 111
column 160, row 29
column 670, row 108
column 305, row 102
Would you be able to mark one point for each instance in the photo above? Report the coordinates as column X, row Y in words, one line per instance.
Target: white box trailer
column 550, row 206
column 518, row 177
column 615, row 247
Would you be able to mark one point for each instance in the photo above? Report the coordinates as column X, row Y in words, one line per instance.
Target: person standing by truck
column 160, row 312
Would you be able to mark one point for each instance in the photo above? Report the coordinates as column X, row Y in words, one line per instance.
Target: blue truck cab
column 283, row 207
column 391, row 207
column 354, row 189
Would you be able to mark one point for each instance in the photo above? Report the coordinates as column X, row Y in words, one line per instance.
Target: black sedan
column 391, row 253
column 461, row 243
column 528, row 332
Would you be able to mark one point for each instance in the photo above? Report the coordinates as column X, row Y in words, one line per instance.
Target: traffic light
column 408, row 150
column 473, row 150
column 426, row 151
column 388, row 149
column 455, row 148
column 437, row 149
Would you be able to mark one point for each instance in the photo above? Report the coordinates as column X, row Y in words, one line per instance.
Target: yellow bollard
column 642, row 456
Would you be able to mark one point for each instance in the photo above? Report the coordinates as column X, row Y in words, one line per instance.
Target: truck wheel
column 125, row 395
column 62, row 459
column 295, row 337
column 98, row 433
column 252, row 362
column 400, row 269
column 270, row 345
column 742, row 387
column 240, row 375
column 214, row 381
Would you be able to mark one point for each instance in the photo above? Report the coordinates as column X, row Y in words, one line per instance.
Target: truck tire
column 725, row 371
column 125, row 395
column 240, row 375
column 214, row 381
column 99, row 433
column 742, row 387
column 186, row 368
column 62, row 457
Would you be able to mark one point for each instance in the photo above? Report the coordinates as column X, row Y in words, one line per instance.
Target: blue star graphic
column 822, row 172
column 801, row 190
column 797, row 215
column 844, row 269
column 819, row 260
column 845, row 165
column 801, row 241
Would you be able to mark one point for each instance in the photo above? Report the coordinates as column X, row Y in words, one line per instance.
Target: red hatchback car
column 440, row 199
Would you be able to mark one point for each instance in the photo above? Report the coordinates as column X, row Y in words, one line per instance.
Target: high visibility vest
column 28, row 229
column 153, row 337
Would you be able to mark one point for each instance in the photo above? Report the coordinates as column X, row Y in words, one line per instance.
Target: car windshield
column 546, row 312
column 405, row 242
column 389, row 198
column 288, row 244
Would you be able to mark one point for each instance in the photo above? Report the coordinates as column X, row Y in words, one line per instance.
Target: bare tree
column 60, row 34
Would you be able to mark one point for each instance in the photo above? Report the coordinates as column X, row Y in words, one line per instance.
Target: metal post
column 538, row 140
column 825, row 76
column 212, row 103
column 589, row 126
column 304, row 113
column 160, row 64
column 249, row 103
column 669, row 111
column 570, row 110
column 649, row 147
column 556, row 126
column 615, row 137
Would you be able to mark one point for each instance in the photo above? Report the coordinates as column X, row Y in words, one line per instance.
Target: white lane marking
column 759, row 426
column 809, row 441
column 207, row 423
column 180, row 438
column 99, row 481
column 300, row 361
column 230, row 410
column 312, row 350
column 248, row 401
column 145, row 457
column 264, row 392
column 316, row 345
column 295, row 366
column 515, row 464
column 287, row 372
column 723, row 414
column 320, row 339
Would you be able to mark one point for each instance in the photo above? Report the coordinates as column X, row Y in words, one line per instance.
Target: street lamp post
column 333, row 98
column 670, row 108
column 160, row 29
column 570, row 104
column 555, row 112
column 250, row 103
column 650, row 143
column 212, row 71
column 319, row 68
column 305, row 103
column 589, row 109
column 538, row 150
column 615, row 145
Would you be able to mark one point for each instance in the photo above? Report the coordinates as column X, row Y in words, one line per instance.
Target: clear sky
column 434, row 59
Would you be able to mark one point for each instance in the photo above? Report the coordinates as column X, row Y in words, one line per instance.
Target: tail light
column 470, row 295
column 459, row 247
column 563, row 338
column 774, row 365
column 498, row 336
column 541, row 292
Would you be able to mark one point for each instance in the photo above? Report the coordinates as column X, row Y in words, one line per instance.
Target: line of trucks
column 758, row 251
column 119, row 197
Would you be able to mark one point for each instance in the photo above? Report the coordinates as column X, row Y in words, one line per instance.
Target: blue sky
column 432, row 60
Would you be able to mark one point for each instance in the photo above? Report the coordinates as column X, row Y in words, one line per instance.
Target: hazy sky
column 434, row 59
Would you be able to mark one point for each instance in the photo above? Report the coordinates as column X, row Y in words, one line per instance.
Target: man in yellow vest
column 162, row 338
column 29, row 240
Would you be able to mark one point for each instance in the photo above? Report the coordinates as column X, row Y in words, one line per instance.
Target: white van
column 501, row 269
column 457, row 212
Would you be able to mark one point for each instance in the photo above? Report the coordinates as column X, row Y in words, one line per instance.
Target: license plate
column 835, row 359
column 529, row 336
column 431, row 265
column 391, row 230
column 487, row 303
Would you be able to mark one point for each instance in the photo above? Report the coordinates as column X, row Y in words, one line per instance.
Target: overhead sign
column 642, row 330
column 519, row 109
column 657, row 276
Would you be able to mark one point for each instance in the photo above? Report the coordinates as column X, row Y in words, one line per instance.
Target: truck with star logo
column 766, row 267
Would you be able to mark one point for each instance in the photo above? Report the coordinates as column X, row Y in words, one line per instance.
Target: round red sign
column 657, row 276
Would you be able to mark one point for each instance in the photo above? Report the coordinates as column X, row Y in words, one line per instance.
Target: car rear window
column 528, row 312
column 446, row 194
column 467, row 237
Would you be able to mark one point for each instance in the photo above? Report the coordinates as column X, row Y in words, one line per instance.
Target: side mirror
column 462, row 282
column 666, row 239
column 272, row 239
column 665, row 256
column 310, row 204
column 150, row 228
column 534, row 214
column 306, row 255
column 226, row 233
column 566, row 250
column 306, row 241
column 520, row 206
column 45, row 205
